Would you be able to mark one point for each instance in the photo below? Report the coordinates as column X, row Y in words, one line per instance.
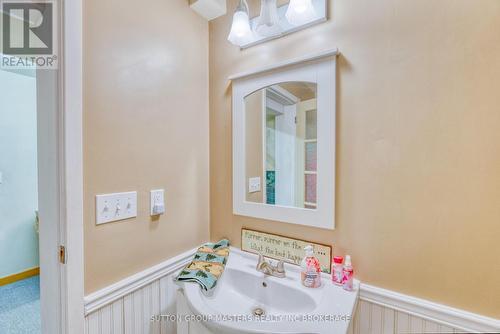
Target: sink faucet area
column 265, row 300
column 269, row 269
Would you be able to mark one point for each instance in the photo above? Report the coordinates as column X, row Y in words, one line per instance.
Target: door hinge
column 62, row 254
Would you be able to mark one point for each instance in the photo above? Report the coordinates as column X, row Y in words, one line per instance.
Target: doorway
column 59, row 167
column 19, row 224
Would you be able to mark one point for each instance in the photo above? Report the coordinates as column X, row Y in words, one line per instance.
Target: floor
column 20, row 307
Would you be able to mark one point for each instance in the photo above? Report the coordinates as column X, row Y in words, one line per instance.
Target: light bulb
column 300, row 12
column 268, row 23
column 241, row 33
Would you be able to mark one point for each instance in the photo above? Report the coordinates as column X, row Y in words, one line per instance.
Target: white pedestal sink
column 287, row 306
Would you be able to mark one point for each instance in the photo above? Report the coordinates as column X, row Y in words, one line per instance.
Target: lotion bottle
column 311, row 269
column 348, row 274
column 337, row 270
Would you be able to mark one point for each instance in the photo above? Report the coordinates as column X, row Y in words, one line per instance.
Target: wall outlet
column 157, row 202
column 254, row 184
column 114, row 207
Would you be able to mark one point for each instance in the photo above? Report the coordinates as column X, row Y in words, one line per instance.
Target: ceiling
column 303, row 90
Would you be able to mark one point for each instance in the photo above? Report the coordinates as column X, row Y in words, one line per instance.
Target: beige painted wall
column 145, row 127
column 254, row 144
column 418, row 182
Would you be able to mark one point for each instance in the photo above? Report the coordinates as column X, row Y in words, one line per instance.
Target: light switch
column 114, row 207
column 253, row 184
column 157, row 202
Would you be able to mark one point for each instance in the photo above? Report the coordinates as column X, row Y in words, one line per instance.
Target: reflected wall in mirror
column 284, row 142
column 281, row 145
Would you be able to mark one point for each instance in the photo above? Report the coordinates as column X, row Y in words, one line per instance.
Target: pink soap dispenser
column 311, row 269
column 348, row 274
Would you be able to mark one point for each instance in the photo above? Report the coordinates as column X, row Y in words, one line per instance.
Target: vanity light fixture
column 274, row 21
column 241, row 33
column 300, row 12
column 268, row 22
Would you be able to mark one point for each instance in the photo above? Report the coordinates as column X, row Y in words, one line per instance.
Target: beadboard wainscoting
column 385, row 311
column 127, row 307
column 131, row 314
column 374, row 318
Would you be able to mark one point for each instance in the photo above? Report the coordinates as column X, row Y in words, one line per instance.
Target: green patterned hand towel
column 207, row 265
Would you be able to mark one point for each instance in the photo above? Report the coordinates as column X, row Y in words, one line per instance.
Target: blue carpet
column 20, row 307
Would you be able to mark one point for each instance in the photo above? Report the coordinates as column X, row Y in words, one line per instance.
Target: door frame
column 71, row 94
column 62, row 176
column 64, row 141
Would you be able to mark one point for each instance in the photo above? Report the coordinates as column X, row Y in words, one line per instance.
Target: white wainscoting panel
column 376, row 319
column 127, row 307
column 384, row 311
column 132, row 313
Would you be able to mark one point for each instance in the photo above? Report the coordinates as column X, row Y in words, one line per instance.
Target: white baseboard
column 120, row 289
column 442, row 314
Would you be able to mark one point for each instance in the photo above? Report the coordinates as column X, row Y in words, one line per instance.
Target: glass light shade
column 268, row 23
column 241, row 33
column 300, row 12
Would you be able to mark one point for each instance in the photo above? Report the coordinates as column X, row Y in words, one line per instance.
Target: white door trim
column 71, row 162
column 61, row 179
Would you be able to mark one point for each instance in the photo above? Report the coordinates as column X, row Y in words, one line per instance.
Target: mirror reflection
column 281, row 145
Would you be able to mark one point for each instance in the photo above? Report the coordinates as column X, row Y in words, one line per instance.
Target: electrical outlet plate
column 157, row 196
column 114, row 207
column 254, row 184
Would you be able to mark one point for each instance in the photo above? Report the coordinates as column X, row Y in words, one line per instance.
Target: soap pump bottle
column 348, row 274
column 311, row 269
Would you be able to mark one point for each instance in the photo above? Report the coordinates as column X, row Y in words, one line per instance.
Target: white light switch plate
column 114, row 207
column 253, row 184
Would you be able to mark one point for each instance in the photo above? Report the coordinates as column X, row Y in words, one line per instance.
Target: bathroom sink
column 247, row 301
column 253, row 290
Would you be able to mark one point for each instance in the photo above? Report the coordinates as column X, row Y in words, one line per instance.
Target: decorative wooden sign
column 283, row 248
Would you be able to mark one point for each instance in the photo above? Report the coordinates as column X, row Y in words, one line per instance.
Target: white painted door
column 285, row 156
column 48, row 201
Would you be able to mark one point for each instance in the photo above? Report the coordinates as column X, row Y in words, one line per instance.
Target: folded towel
column 207, row 266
